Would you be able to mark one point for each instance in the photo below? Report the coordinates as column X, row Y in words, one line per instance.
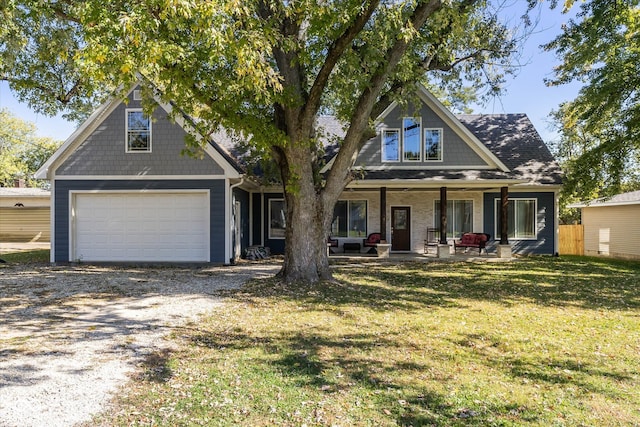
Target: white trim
column 250, row 218
column 382, row 159
column 556, row 223
column 434, row 183
column 262, row 218
column 126, row 131
column 535, row 217
column 52, row 222
column 233, row 220
column 227, row 222
column 430, row 166
column 603, row 204
column 404, row 129
column 136, row 177
column 269, row 220
column 74, row 193
column 441, row 159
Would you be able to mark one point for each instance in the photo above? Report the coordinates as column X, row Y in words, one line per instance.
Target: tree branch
column 346, row 157
column 334, row 54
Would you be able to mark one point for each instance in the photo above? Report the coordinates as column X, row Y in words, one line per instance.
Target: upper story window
column 432, row 144
column 412, row 143
column 390, row 145
column 138, row 129
column 411, row 130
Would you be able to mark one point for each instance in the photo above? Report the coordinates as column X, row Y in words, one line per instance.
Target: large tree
column 600, row 129
column 264, row 69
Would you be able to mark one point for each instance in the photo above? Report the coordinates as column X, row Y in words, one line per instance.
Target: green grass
column 540, row 342
column 24, row 257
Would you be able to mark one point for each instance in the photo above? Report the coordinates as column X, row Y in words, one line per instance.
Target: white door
column 153, row 226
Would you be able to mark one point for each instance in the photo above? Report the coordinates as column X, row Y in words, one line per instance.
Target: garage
column 146, row 226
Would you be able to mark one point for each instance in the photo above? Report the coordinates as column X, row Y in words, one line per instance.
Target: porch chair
column 331, row 243
column 371, row 241
column 432, row 239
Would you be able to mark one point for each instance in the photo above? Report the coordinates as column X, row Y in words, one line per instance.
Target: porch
column 470, row 256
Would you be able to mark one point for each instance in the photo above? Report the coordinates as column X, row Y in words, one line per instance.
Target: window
column 138, row 128
column 432, row 144
column 521, row 218
column 349, row 219
column 277, row 219
column 390, row 145
column 411, row 130
column 459, row 217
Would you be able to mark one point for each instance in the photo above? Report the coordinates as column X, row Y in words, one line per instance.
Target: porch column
column 504, row 216
column 504, row 249
column 383, row 213
column 443, row 215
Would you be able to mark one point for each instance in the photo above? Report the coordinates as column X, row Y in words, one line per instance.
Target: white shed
column 25, row 215
column 612, row 225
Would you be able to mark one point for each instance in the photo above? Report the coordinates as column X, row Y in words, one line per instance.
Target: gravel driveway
column 70, row 336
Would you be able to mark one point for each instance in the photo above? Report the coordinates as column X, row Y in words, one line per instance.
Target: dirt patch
column 70, row 336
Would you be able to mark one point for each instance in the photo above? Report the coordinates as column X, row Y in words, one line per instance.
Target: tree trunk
column 308, row 215
column 305, row 257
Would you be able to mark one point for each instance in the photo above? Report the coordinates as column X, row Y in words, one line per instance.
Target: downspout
column 231, row 242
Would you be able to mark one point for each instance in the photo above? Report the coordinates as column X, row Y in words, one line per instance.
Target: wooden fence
column 571, row 240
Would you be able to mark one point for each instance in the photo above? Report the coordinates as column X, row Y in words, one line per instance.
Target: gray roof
column 512, row 138
column 516, row 142
column 630, row 198
column 23, row 192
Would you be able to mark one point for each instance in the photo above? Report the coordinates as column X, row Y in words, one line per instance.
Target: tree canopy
column 600, row 129
column 264, row 70
column 22, row 152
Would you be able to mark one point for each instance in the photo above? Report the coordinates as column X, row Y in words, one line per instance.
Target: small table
column 350, row 246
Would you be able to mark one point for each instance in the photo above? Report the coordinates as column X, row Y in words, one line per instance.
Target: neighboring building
column 24, row 214
column 122, row 192
column 612, row 225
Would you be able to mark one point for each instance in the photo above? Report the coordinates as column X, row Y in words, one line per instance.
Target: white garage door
column 171, row 227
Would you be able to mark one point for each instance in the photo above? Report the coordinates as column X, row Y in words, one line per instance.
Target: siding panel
column 545, row 242
column 25, row 224
column 612, row 231
column 103, row 152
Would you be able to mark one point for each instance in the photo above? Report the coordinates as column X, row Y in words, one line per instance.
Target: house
column 612, row 225
column 24, row 214
column 121, row 191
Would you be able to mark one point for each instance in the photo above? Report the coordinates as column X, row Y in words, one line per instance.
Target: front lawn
column 540, row 341
column 26, row 257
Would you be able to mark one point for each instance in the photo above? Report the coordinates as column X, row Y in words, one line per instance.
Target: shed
column 612, row 225
column 25, row 215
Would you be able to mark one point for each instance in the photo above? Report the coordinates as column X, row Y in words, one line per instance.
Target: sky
column 525, row 93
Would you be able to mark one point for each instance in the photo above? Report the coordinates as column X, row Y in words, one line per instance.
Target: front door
column 400, row 228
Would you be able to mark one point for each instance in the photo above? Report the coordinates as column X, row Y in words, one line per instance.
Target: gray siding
column 545, row 242
column 217, row 205
column 456, row 152
column 104, row 153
